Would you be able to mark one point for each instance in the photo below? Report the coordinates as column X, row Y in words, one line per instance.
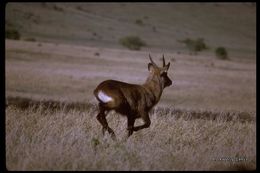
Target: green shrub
column 139, row 22
column 132, row 42
column 57, row 8
column 146, row 17
column 30, row 39
column 195, row 45
column 12, row 34
column 221, row 53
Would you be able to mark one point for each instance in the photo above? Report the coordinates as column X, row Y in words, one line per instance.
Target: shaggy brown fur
column 133, row 101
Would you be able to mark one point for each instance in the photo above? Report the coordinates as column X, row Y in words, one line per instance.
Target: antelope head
column 159, row 73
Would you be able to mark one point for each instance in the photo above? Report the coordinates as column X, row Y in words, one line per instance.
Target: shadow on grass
column 51, row 105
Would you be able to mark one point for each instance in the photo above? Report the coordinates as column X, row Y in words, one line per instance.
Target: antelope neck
column 155, row 86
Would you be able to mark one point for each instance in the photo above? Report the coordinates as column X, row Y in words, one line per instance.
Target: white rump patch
column 105, row 98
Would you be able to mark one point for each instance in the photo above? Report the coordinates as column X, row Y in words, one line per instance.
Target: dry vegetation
column 204, row 121
column 71, row 139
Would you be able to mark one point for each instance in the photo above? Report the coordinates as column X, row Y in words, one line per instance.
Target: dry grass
column 41, row 139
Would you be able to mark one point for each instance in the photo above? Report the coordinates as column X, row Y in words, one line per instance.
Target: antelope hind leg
column 101, row 117
column 146, row 124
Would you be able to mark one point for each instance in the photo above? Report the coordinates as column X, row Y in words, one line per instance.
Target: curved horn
column 152, row 61
column 163, row 60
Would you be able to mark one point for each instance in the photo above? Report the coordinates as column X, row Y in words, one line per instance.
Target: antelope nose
column 169, row 83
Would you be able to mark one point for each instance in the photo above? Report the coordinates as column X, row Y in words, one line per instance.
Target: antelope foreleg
column 130, row 125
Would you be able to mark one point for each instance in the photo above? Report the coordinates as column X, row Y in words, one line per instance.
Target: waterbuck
column 133, row 101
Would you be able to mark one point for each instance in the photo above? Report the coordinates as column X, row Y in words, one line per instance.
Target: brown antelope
column 133, row 101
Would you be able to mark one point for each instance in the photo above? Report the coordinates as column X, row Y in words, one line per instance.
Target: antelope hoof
column 111, row 132
column 103, row 130
column 113, row 136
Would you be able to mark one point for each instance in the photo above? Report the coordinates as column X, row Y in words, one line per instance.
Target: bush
column 132, row 42
column 221, row 53
column 139, row 22
column 30, row 39
column 57, row 8
column 195, row 45
column 12, row 34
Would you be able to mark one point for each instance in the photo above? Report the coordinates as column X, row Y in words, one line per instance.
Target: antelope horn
column 163, row 60
column 152, row 61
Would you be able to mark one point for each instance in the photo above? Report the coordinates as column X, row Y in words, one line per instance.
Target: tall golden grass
column 42, row 137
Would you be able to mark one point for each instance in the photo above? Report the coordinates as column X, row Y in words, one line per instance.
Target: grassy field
column 204, row 121
column 72, row 140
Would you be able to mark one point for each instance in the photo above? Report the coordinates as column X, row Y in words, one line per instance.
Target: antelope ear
column 165, row 68
column 150, row 67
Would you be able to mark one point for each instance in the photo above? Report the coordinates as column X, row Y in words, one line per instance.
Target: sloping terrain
column 160, row 25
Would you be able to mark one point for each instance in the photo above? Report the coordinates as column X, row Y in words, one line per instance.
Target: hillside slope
column 160, row 25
